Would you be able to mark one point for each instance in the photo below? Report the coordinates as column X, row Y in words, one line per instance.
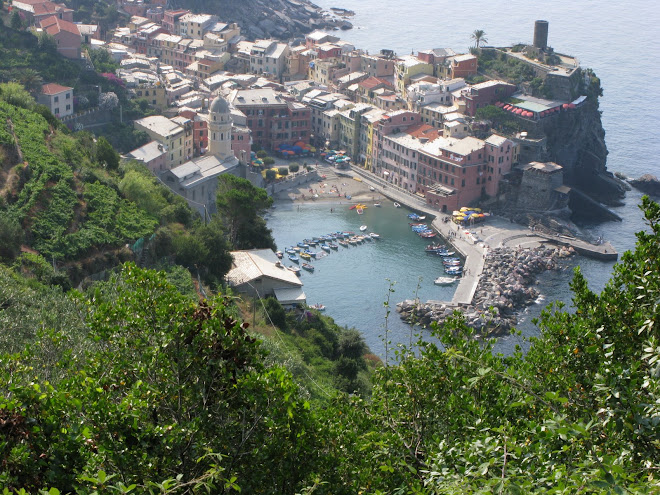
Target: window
column 68, row 96
column 56, row 99
column 463, row 183
column 68, row 107
column 56, row 111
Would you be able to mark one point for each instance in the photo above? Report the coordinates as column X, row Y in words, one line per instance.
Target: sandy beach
column 331, row 188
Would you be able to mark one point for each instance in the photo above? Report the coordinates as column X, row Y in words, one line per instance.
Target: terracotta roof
column 53, row 89
column 423, row 131
column 372, row 82
column 49, row 8
column 33, row 2
column 52, row 25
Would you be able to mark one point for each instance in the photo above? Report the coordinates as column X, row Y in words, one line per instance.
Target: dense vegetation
column 161, row 393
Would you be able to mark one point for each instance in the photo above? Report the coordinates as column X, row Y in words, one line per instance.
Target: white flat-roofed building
column 258, row 273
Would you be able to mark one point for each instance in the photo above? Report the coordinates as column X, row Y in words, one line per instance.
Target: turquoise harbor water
column 616, row 39
column 353, row 282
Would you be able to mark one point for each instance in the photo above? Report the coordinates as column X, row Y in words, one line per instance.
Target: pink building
column 66, row 34
column 455, row 172
column 463, row 66
column 152, row 155
column 171, row 19
column 483, row 94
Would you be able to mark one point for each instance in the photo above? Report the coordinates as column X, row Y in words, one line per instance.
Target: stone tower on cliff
column 219, row 124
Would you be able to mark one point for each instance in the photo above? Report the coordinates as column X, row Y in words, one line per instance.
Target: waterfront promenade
column 474, row 243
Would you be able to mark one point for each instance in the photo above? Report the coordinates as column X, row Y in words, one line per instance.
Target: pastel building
column 272, row 118
column 170, row 134
column 66, row 35
column 59, row 99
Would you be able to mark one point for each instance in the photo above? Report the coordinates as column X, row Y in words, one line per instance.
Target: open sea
column 618, row 40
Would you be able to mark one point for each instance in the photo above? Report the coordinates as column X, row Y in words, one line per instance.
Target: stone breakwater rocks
column 504, row 288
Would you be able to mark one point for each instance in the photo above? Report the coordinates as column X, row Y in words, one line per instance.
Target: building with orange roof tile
column 66, row 35
column 59, row 99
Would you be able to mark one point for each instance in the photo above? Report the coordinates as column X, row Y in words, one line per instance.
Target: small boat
column 308, row 267
column 311, row 253
column 303, row 245
column 325, row 248
column 279, row 254
column 290, row 250
column 343, row 243
column 306, row 256
column 363, row 228
column 318, row 307
column 454, row 270
column 373, row 235
column 332, row 245
column 445, row 253
column 397, row 205
column 294, row 258
column 372, row 188
column 360, row 211
column 445, row 280
column 377, row 205
column 353, row 241
column 434, row 248
column 294, row 269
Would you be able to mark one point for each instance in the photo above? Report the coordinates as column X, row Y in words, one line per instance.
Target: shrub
column 268, row 161
column 262, row 154
column 283, row 171
column 271, row 175
column 294, row 167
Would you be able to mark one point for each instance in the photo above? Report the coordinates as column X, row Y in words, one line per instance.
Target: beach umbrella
column 571, row 105
column 565, row 106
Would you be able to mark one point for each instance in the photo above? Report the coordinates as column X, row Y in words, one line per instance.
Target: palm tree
column 479, row 36
column 31, row 80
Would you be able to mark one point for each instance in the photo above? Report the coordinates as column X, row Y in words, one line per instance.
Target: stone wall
column 292, row 182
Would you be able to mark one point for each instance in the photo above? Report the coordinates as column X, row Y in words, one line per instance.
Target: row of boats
column 453, row 266
column 325, row 243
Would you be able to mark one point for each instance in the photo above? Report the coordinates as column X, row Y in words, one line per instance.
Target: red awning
column 507, row 107
column 571, row 105
column 565, row 105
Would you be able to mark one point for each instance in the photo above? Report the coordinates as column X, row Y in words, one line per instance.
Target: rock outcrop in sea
column 281, row 19
column 647, row 183
column 505, row 287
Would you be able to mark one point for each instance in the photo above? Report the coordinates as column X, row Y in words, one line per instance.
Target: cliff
column 282, row 19
column 576, row 141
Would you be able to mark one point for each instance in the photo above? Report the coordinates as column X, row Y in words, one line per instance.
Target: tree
column 106, row 155
column 218, row 260
column 16, row 21
column 294, row 167
column 15, row 94
column 268, row 161
column 31, row 80
column 479, row 36
column 108, row 101
column 11, row 237
column 283, row 171
column 240, row 206
column 271, row 175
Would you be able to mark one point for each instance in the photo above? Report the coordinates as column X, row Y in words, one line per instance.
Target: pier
column 494, row 232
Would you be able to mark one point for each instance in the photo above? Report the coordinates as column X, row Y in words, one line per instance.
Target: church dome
column 219, row 105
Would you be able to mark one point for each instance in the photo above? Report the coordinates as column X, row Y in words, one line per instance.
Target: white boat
column 377, row 205
column 363, row 228
column 318, row 307
column 294, row 269
column 397, row 205
column 445, row 280
column 372, row 188
column 373, row 235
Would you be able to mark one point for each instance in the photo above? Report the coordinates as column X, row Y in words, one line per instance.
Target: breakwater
column 504, row 288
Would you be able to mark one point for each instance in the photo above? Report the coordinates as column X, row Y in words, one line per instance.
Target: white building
column 258, row 273
column 59, row 99
column 268, row 57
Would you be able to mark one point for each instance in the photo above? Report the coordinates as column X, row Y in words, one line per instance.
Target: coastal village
column 411, row 126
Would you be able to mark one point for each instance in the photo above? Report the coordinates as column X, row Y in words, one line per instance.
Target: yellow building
column 407, row 67
column 155, row 94
column 169, row 134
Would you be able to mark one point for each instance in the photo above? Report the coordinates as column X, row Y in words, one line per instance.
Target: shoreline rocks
column 647, row 183
column 504, row 288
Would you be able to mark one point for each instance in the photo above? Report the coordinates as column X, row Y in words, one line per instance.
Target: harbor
column 353, row 283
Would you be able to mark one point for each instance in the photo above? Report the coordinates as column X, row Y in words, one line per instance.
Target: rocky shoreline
column 281, row 19
column 504, row 288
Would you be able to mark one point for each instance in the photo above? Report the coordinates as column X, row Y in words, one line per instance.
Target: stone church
column 197, row 179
